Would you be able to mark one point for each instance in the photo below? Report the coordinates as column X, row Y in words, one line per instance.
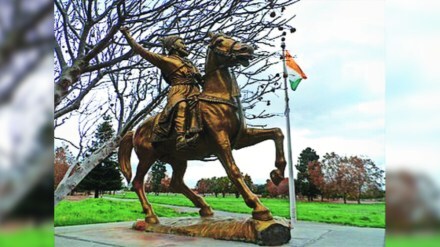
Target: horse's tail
column 124, row 155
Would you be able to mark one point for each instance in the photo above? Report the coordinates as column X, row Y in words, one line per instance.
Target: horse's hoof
column 262, row 215
column 152, row 220
column 206, row 212
column 276, row 176
column 139, row 225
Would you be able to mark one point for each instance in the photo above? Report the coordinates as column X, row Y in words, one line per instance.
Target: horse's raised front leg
column 252, row 136
column 178, row 185
column 224, row 153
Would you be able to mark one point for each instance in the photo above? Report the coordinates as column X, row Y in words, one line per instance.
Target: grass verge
column 422, row 240
column 363, row 215
column 91, row 211
column 42, row 236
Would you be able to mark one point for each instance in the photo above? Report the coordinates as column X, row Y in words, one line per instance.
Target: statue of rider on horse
column 218, row 127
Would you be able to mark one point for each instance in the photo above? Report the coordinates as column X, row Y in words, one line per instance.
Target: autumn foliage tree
column 271, row 188
column 202, row 186
column 61, row 164
column 317, row 177
column 282, row 190
column 165, row 184
column 345, row 176
column 367, row 176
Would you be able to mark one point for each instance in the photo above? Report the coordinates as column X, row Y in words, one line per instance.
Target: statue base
column 272, row 232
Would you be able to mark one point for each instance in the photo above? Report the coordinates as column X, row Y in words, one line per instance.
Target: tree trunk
column 359, row 196
column 237, row 195
column 345, row 199
column 68, row 184
column 96, row 193
column 223, row 194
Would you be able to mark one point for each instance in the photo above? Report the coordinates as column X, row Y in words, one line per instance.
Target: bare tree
column 93, row 59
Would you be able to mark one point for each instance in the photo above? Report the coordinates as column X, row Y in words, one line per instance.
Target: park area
column 126, row 207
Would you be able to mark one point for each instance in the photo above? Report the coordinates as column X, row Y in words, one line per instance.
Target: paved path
column 308, row 234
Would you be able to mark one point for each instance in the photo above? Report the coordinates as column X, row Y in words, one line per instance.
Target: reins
column 235, row 88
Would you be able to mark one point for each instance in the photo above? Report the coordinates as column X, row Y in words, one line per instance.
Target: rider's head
column 175, row 45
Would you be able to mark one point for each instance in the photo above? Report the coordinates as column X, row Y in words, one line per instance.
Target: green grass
column 91, row 211
column 363, row 215
column 41, row 237
column 428, row 240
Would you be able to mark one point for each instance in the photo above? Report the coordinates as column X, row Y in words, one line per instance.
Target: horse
column 220, row 134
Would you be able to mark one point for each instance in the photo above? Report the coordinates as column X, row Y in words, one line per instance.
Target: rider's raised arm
column 154, row 58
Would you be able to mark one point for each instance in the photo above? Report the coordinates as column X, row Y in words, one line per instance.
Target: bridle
column 228, row 54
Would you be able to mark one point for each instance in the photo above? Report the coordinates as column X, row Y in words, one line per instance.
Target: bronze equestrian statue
column 219, row 134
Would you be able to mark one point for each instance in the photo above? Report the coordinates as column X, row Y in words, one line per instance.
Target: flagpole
column 289, row 143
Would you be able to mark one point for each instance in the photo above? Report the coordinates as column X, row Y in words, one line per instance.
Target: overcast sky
column 413, row 89
column 340, row 107
column 345, row 106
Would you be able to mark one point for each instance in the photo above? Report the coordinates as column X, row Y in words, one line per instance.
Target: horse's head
column 229, row 51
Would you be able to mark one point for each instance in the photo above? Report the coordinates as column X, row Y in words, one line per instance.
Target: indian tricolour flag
column 293, row 71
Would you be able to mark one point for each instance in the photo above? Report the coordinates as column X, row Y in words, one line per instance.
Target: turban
column 169, row 41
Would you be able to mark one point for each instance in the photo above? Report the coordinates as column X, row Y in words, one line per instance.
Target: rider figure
column 180, row 73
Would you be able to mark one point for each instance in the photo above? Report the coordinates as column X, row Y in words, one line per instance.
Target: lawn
column 91, row 211
column 41, row 236
column 363, row 215
column 421, row 240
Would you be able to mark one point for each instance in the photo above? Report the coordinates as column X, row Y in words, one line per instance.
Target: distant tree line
column 336, row 176
column 221, row 185
column 333, row 177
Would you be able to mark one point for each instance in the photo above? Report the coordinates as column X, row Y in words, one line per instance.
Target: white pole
column 289, row 144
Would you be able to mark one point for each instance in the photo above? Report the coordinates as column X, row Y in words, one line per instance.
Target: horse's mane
column 217, row 35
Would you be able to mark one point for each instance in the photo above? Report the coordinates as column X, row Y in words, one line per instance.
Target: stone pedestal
column 273, row 232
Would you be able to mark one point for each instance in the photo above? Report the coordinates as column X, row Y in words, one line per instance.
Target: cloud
column 340, row 108
column 413, row 122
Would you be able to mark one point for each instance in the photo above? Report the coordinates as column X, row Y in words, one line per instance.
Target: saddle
column 164, row 121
